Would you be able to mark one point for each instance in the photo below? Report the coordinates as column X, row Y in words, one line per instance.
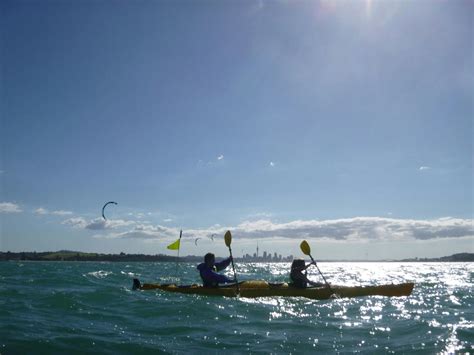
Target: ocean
column 89, row 307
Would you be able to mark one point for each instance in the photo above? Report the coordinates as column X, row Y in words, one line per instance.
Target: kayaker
column 207, row 270
column 298, row 278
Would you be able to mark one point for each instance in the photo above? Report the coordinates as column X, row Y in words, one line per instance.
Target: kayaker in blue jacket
column 298, row 279
column 207, row 270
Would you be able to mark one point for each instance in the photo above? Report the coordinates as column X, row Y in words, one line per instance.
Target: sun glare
column 368, row 8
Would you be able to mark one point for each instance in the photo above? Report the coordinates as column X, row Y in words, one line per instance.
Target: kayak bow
column 259, row 288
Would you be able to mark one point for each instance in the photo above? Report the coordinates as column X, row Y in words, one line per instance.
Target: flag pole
column 179, row 247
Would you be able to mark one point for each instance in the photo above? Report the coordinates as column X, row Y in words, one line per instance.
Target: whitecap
column 101, row 274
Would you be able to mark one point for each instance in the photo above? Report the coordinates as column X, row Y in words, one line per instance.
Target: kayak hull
column 258, row 288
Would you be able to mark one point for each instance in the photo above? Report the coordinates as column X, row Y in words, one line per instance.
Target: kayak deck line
column 260, row 288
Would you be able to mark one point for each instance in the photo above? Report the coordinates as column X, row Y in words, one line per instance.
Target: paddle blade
column 305, row 248
column 228, row 238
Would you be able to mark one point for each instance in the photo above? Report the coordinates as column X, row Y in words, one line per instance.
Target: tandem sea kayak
column 258, row 288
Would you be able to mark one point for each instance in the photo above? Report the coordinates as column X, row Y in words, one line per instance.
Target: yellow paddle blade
column 228, row 238
column 305, row 248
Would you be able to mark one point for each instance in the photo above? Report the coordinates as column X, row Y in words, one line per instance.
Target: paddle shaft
column 327, row 284
column 233, row 268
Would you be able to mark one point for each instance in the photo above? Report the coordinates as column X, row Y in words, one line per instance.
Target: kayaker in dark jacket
column 298, row 279
column 207, row 270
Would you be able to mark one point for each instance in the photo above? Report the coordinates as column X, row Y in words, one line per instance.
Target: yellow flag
column 174, row 245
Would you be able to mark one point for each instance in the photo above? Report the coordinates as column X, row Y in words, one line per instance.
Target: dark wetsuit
column 299, row 280
column 210, row 278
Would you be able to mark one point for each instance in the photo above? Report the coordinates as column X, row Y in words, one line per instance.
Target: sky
column 348, row 124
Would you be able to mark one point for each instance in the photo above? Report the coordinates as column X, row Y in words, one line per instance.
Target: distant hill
column 454, row 257
column 68, row 255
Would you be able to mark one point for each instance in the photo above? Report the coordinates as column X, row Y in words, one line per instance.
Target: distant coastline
column 67, row 255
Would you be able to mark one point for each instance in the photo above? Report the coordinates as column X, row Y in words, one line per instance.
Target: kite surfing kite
column 103, row 208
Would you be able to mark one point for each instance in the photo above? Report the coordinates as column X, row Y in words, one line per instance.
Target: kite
column 103, row 208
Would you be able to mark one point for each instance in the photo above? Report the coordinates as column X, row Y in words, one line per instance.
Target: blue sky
column 345, row 123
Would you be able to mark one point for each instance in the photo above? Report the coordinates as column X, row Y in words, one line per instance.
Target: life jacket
column 211, row 280
column 297, row 280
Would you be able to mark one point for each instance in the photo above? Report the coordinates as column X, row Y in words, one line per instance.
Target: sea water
column 89, row 307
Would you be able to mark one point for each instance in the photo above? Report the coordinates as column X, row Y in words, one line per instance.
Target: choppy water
column 59, row 307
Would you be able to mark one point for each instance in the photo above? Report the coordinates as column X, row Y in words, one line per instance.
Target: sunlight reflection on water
column 94, row 301
column 436, row 296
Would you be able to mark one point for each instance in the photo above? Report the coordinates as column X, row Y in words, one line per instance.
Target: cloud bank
column 356, row 229
column 44, row 211
column 360, row 229
column 150, row 232
column 97, row 224
column 9, row 207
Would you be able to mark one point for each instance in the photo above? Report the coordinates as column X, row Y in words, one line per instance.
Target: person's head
column 297, row 265
column 209, row 259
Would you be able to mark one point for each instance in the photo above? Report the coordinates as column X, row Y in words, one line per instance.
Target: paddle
column 305, row 248
column 228, row 241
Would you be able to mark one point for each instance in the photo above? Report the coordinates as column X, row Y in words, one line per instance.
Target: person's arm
column 215, row 277
column 222, row 264
column 312, row 283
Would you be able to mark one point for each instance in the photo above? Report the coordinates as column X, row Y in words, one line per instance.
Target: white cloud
column 146, row 231
column 349, row 229
column 151, row 233
column 76, row 222
column 44, row 211
column 422, row 168
column 356, row 229
column 9, row 207
column 100, row 223
column 119, row 223
column 167, row 220
column 97, row 224
column 272, row 164
column 41, row 211
column 220, row 157
column 61, row 213
column 359, row 229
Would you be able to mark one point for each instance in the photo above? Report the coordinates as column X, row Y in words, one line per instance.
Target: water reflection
column 435, row 318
